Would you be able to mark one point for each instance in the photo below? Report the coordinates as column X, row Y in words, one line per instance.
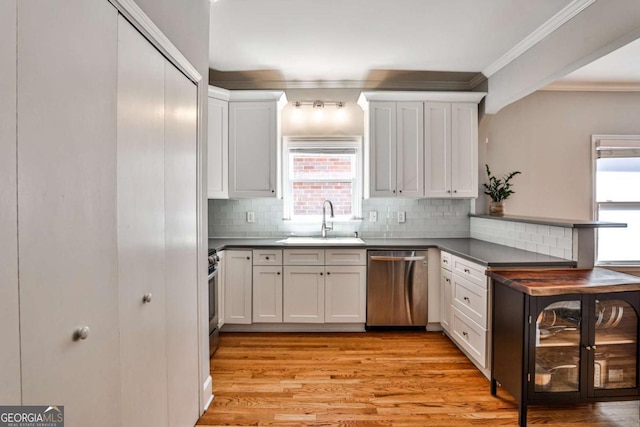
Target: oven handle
column 212, row 275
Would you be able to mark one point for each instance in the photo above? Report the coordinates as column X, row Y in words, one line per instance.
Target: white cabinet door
column 437, row 149
column 141, row 228
column 410, row 149
column 345, row 294
column 464, row 150
column 267, row 294
column 9, row 302
column 382, row 149
column 181, row 266
column 218, row 149
column 252, row 149
column 445, row 299
column 237, row 287
column 303, row 294
column 66, row 174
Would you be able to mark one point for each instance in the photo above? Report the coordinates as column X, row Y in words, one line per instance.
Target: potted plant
column 499, row 190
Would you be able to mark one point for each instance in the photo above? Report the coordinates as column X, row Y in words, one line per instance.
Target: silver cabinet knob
column 147, row 298
column 82, row 333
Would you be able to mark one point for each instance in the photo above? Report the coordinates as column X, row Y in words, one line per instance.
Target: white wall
column 305, row 122
column 547, row 136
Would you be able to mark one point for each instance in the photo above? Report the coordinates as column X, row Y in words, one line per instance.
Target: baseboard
column 208, row 391
column 295, row 327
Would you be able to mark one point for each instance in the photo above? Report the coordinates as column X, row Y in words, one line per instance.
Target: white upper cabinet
column 395, row 167
column 451, row 149
column 218, row 144
column 421, row 144
column 410, row 149
column 464, row 150
column 437, row 141
column 253, row 135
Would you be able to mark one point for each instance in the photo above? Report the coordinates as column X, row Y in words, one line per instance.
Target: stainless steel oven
column 214, row 335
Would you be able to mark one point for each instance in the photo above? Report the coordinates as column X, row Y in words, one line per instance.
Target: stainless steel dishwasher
column 397, row 288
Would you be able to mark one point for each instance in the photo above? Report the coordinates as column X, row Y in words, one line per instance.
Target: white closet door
column 141, row 223
column 181, row 277
column 67, row 59
column 9, row 313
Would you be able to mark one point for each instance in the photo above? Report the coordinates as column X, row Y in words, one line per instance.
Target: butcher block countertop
column 565, row 281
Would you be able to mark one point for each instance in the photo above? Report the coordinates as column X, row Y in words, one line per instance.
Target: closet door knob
column 81, row 333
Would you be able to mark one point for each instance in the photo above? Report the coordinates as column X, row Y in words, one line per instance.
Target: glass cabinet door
column 616, row 345
column 557, row 347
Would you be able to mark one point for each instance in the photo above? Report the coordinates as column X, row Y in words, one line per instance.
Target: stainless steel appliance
column 214, row 336
column 397, row 288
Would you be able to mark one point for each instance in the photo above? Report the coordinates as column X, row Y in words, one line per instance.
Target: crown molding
column 219, row 93
column 343, row 84
column 409, row 96
column 592, row 87
column 556, row 21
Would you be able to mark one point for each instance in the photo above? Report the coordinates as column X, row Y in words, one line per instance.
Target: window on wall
column 319, row 169
column 617, row 195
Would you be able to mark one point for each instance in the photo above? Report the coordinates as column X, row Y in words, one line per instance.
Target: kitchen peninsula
column 565, row 336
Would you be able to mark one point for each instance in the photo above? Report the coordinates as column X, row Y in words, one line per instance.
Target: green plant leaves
column 498, row 189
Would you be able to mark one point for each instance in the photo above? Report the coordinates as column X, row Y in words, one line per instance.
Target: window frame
column 596, row 142
column 320, row 142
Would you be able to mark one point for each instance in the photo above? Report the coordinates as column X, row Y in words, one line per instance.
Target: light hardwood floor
column 371, row 379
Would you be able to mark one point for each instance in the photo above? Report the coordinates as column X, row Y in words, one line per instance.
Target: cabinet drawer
column 446, row 260
column 470, row 271
column 267, row 257
column 470, row 299
column 345, row 257
column 304, row 257
column 470, row 336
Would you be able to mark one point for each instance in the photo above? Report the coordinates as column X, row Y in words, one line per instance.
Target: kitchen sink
column 322, row 241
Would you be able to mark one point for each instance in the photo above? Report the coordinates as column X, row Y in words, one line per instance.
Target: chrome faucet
column 325, row 227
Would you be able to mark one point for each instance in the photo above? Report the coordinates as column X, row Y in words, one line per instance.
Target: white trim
column 219, row 93
column 132, row 12
column 318, row 142
column 418, row 96
column 478, row 79
column 256, row 95
column 207, row 389
column 592, row 87
column 556, row 21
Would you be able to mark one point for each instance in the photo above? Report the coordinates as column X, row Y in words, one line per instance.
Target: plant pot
column 496, row 208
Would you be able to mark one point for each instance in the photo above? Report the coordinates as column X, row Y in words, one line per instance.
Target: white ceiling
column 333, row 40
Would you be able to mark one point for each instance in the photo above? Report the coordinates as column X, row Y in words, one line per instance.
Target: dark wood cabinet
column 565, row 348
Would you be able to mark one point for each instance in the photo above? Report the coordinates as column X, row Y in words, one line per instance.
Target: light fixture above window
column 318, row 104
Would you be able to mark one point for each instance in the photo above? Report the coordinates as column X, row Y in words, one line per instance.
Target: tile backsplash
column 543, row 239
column 424, row 218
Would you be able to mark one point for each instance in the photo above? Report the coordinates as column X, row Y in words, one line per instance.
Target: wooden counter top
column 537, row 282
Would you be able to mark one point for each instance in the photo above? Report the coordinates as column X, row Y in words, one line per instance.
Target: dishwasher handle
column 396, row 258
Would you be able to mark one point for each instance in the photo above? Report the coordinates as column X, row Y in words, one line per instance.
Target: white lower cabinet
column 445, row 299
column 237, row 287
column 345, row 294
column 267, row 294
column 303, row 294
column 465, row 307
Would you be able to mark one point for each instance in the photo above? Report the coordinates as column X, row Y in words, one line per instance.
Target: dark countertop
column 479, row 251
column 566, row 281
column 557, row 222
